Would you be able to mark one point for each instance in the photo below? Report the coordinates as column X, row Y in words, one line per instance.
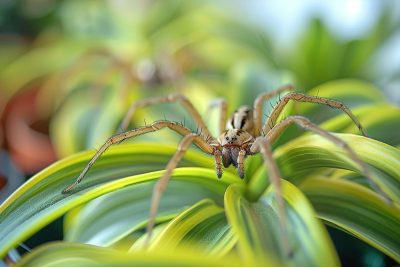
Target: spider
column 242, row 135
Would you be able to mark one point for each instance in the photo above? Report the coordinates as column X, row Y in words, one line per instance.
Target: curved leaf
column 260, row 236
column 39, row 201
column 380, row 121
column 72, row 254
column 310, row 152
column 239, row 214
column 354, row 209
column 82, row 121
column 203, row 226
column 38, row 62
column 351, row 92
column 95, row 222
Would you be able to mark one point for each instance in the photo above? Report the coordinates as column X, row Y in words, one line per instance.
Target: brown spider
column 242, row 135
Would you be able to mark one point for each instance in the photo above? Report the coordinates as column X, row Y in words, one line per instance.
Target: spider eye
column 227, row 138
column 234, row 138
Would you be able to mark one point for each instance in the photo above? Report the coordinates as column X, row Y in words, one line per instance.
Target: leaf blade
column 354, row 209
column 307, row 153
column 39, row 201
column 73, row 254
column 203, row 226
column 258, row 228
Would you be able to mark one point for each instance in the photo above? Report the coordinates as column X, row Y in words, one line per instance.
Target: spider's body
column 237, row 138
column 243, row 134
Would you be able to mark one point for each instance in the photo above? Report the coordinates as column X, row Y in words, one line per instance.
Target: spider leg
column 166, row 99
column 299, row 97
column 258, row 105
column 240, row 162
column 163, row 182
column 220, row 104
column 199, row 141
column 262, row 144
column 308, row 125
column 218, row 162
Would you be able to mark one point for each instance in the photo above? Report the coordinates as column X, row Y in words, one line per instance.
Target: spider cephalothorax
column 243, row 134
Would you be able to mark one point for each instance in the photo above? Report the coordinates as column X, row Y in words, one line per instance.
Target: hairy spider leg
column 262, row 144
column 240, row 162
column 218, row 161
column 306, row 124
column 299, row 97
column 258, row 105
column 166, row 99
column 199, row 142
column 163, row 181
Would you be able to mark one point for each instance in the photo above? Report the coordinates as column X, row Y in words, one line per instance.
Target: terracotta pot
column 26, row 132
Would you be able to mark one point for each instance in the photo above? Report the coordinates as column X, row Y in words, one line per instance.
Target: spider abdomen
column 242, row 119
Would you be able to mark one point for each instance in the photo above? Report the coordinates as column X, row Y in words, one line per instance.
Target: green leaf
column 354, row 91
column 95, row 222
column 203, row 226
column 39, row 62
column 354, row 94
column 39, row 201
column 307, row 153
column 351, row 92
column 82, row 121
column 260, row 235
column 380, row 121
column 71, row 254
column 356, row 210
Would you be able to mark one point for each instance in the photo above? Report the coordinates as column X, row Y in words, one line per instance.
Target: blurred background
column 70, row 69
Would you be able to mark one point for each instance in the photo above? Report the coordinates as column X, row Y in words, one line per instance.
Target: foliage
column 223, row 218
column 87, row 77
